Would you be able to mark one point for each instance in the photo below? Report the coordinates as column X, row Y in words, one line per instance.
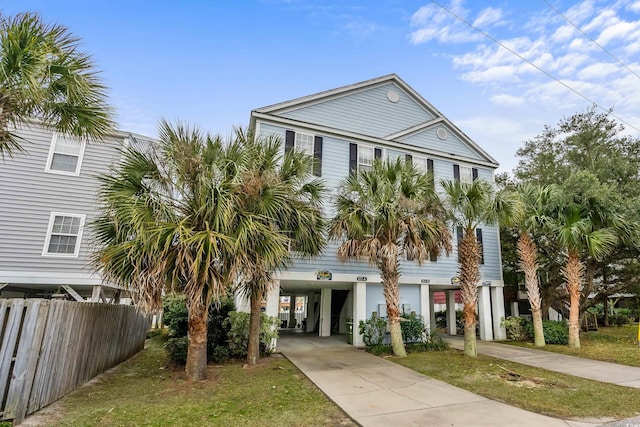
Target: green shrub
column 554, row 332
column 238, row 324
column 175, row 317
column 413, row 328
column 373, row 331
column 177, row 348
column 618, row 319
column 516, row 328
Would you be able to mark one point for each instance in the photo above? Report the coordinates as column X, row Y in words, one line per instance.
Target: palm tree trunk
column 573, row 273
column 197, row 349
column 469, row 253
column 253, row 347
column 528, row 253
column 390, row 272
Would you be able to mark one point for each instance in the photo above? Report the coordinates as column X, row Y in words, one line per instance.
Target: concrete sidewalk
column 376, row 392
column 613, row 373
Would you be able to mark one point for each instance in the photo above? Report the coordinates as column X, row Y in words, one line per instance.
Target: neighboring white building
column 345, row 129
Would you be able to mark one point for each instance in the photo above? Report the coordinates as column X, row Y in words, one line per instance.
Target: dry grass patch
column 144, row 391
column 530, row 388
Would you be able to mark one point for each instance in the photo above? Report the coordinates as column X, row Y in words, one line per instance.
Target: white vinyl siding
column 65, row 155
column 64, row 234
column 304, row 143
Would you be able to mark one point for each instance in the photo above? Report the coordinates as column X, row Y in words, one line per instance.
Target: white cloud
column 596, row 71
column 488, row 17
column 506, row 100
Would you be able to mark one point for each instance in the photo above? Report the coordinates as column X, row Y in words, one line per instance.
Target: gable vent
column 442, row 133
column 393, row 96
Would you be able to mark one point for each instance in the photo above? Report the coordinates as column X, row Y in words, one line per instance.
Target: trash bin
column 350, row 331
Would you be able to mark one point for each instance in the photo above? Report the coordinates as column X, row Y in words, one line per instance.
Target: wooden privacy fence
column 49, row 348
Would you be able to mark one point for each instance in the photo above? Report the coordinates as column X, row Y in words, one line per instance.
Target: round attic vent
column 442, row 133
column 393, row 96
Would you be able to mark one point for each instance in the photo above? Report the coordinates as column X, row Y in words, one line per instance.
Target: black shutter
column 408, row 158
column 353, row 159
column 289, row 140
column 474, row 171
column 459, row 236
column 377, row 153
column 430, row 170
column 317, row 156
column 480, row 245
column 456, row 172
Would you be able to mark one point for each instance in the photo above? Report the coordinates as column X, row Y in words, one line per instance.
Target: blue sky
column 211, row 62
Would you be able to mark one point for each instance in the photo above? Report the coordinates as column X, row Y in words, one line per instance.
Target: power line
column 591, row 38
column 534, row 65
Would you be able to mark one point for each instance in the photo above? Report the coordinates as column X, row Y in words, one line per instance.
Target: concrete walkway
column 613, row 373
column 376, row 392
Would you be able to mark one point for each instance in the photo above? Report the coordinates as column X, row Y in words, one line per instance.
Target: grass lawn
column 617, row 344
column 145, row 392
column 536, row 389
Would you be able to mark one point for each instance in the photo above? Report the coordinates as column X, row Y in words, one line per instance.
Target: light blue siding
column 335, row 167
column 409, row 294
column 368, row 112
column 451, row 145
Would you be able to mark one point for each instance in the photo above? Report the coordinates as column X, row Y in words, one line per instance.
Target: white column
column 425, row 309
column 311, row 312
column 242, row 303
column 515, row 310
column 359, row 310
column 497, row 308
column 325, row 312
column 273, row 300
column 451, row 312
column 484, row 313
column 95, row 293
column 432, row 312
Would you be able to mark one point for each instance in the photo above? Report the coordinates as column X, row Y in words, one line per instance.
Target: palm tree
column 165, row 224
column 469, row 206
column 536, row 217
column 45, row 76
column 577, row 229
column 278, row 217
column 383, row 214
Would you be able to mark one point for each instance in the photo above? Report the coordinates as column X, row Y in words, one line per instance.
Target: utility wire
column 534, row 65
column 591, row 38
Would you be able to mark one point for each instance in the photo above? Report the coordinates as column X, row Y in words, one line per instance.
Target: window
column 365, row 157
column 308, row 144
column 65, row 155
column 63, row 235
column 465, row 174
column 420, row 163
column 304, row 143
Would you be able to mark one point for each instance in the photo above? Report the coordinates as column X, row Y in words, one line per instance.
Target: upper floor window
column 65, row 155
column 304, row 143
column 307, row 144
column 63, row 235
column 365, row 157
column 465, row 174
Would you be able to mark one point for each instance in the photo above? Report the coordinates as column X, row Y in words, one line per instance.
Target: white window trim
column 47, row 240
column 373, row 149
column 52, row 147
column 470, row 168
column 313, row 141
column 426, row 162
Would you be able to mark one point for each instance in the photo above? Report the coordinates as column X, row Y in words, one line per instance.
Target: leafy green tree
column 537, row 202
column 45, row 76
column 384, row 214
column 165, row 225
column 578, row 231
column 469, row 206
column 277, row 216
